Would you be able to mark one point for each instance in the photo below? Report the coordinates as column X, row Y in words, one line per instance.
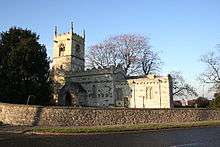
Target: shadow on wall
column 37, row 116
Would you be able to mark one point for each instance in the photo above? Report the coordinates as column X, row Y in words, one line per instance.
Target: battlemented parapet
column 69, row 36
column 98, row 71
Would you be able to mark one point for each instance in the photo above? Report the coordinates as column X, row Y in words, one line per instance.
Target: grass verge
column 124, row 128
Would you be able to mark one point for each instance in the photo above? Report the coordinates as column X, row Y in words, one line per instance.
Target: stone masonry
column 69, row 116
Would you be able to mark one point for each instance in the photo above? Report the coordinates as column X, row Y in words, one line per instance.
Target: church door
column 68, row 99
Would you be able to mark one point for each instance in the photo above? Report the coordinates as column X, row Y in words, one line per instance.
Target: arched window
column 94, row 91
column 61, row 66
column 148, row 92
column 61, row 49
column 77, row 48
column 119, row 93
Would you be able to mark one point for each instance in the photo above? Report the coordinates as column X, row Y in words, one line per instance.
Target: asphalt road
column 195, row 137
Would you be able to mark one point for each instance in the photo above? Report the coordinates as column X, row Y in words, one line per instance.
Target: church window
column 148, row 92
column 94, row 91
column 77, row 48
column 61, row 49
column 119, row 93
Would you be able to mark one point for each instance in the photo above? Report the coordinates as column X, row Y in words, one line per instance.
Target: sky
column 181, row 30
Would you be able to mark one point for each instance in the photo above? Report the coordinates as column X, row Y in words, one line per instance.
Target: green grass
column 124, row 128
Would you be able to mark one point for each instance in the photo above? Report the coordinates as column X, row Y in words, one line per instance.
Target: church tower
column 68, row 57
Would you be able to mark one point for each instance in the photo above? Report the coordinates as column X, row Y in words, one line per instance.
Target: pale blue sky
column 182, row 30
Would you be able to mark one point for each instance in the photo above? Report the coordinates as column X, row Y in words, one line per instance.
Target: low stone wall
column 65, row 116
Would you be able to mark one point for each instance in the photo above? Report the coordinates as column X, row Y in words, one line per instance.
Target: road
column 195, row 137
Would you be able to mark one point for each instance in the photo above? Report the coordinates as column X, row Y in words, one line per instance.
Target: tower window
column 61, row 49
column 94, row 91
column 77, row 48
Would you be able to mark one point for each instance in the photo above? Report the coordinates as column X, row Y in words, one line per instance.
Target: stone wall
column 65, row 116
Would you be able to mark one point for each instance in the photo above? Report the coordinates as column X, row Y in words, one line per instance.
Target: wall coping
column 101, row 108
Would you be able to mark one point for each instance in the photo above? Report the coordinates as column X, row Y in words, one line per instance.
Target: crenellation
column 97, row 71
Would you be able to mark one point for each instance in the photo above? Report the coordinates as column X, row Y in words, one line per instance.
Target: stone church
column 75, row 86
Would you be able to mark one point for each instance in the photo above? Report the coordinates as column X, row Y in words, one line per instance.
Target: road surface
column 195, row 137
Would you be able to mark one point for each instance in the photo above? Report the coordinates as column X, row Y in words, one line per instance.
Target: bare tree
column 150, row 61
column 131, row 51
column 211, row 75
column 102, row 55
column 212, row 71
column 180, row 87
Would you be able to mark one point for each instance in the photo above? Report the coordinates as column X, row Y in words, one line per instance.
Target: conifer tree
column 24, row 67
